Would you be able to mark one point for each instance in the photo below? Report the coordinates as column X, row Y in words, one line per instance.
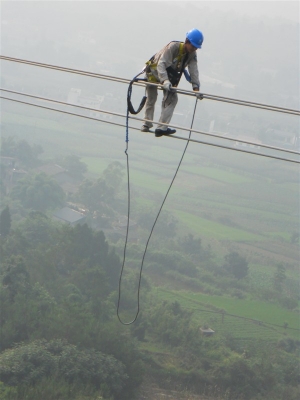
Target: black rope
column 131, row 110
column 152, row 229
column 129, row 92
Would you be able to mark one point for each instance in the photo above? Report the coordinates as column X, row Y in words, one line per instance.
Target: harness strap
column 151, row 78
column 152, row 65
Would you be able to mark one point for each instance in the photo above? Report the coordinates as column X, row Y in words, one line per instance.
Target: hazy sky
column 243, row 39
column 271, row 8
column 283, row 9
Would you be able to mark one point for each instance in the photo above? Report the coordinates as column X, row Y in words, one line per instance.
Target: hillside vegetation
column 221, row 257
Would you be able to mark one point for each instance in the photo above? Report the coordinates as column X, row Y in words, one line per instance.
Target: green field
column 215, row 230
column 267, row 271
column 218, row 175
column 271, row 316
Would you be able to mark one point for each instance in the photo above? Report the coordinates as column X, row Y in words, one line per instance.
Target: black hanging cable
column 131, row 110
column 153, row 226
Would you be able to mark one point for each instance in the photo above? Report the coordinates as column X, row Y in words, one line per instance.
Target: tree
column 279, row 277
column 113, row 175
column 38, row 192
column 139, row 328
column 75, row 167
column 5, row 222
column 166, row 225
column 15, row 276
column 78, row 248
column 236, row 264
column 190, row 245
column 26, row 154
column 37, row 228
column 96, row 195
column 29, row 363
column 8, row 146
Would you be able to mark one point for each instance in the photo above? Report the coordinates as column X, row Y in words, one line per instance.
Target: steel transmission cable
column 153, row 122
column 127, row 81
column 172, row 137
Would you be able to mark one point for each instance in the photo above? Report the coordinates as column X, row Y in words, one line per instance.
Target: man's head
column 194, row 40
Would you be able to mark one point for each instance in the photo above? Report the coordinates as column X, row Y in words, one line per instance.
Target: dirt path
column 150, row 391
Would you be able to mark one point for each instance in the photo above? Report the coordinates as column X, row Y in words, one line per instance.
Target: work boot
column 145, row 128
column 161, row 132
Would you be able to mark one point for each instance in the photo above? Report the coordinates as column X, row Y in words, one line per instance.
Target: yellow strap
column 180, row 55
column 181, row 51
column 151, row 64
column 151, row 78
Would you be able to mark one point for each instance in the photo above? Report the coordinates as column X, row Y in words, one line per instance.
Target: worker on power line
column 166, row 67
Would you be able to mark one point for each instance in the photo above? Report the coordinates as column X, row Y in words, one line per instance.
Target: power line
column 63, row 111
column 127, row 81
column 237, row 149
column 171, row 136
column 64, row 103
column 153, row 122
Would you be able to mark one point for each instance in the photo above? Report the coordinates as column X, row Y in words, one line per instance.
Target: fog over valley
column 136, row 265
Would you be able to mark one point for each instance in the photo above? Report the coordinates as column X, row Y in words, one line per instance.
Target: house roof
column 51, row 169
column 69, row 187
column 207, row 330
column 68, row 215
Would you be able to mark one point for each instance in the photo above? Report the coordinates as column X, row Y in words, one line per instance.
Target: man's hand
column 167, row 85
column 198, row 94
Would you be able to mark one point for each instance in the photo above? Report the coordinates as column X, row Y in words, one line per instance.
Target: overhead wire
column 127, row 81
column 228, row 138
column 171, row 137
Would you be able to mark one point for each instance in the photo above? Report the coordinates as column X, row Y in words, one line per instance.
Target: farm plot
column 248, row 319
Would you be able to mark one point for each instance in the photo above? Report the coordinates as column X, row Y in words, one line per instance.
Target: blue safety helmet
column 195, row 37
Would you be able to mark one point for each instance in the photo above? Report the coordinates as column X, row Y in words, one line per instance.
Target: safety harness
column 173, row 74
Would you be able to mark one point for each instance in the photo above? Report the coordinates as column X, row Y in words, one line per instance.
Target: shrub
column 288, row 302
column 30, row 363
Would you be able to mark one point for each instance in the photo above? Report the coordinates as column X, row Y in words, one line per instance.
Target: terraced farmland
column 242, row 319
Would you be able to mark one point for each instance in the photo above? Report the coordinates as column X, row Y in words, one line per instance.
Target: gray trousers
column 168, row 105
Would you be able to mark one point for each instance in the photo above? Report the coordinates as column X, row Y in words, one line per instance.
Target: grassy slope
column 254, row 309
